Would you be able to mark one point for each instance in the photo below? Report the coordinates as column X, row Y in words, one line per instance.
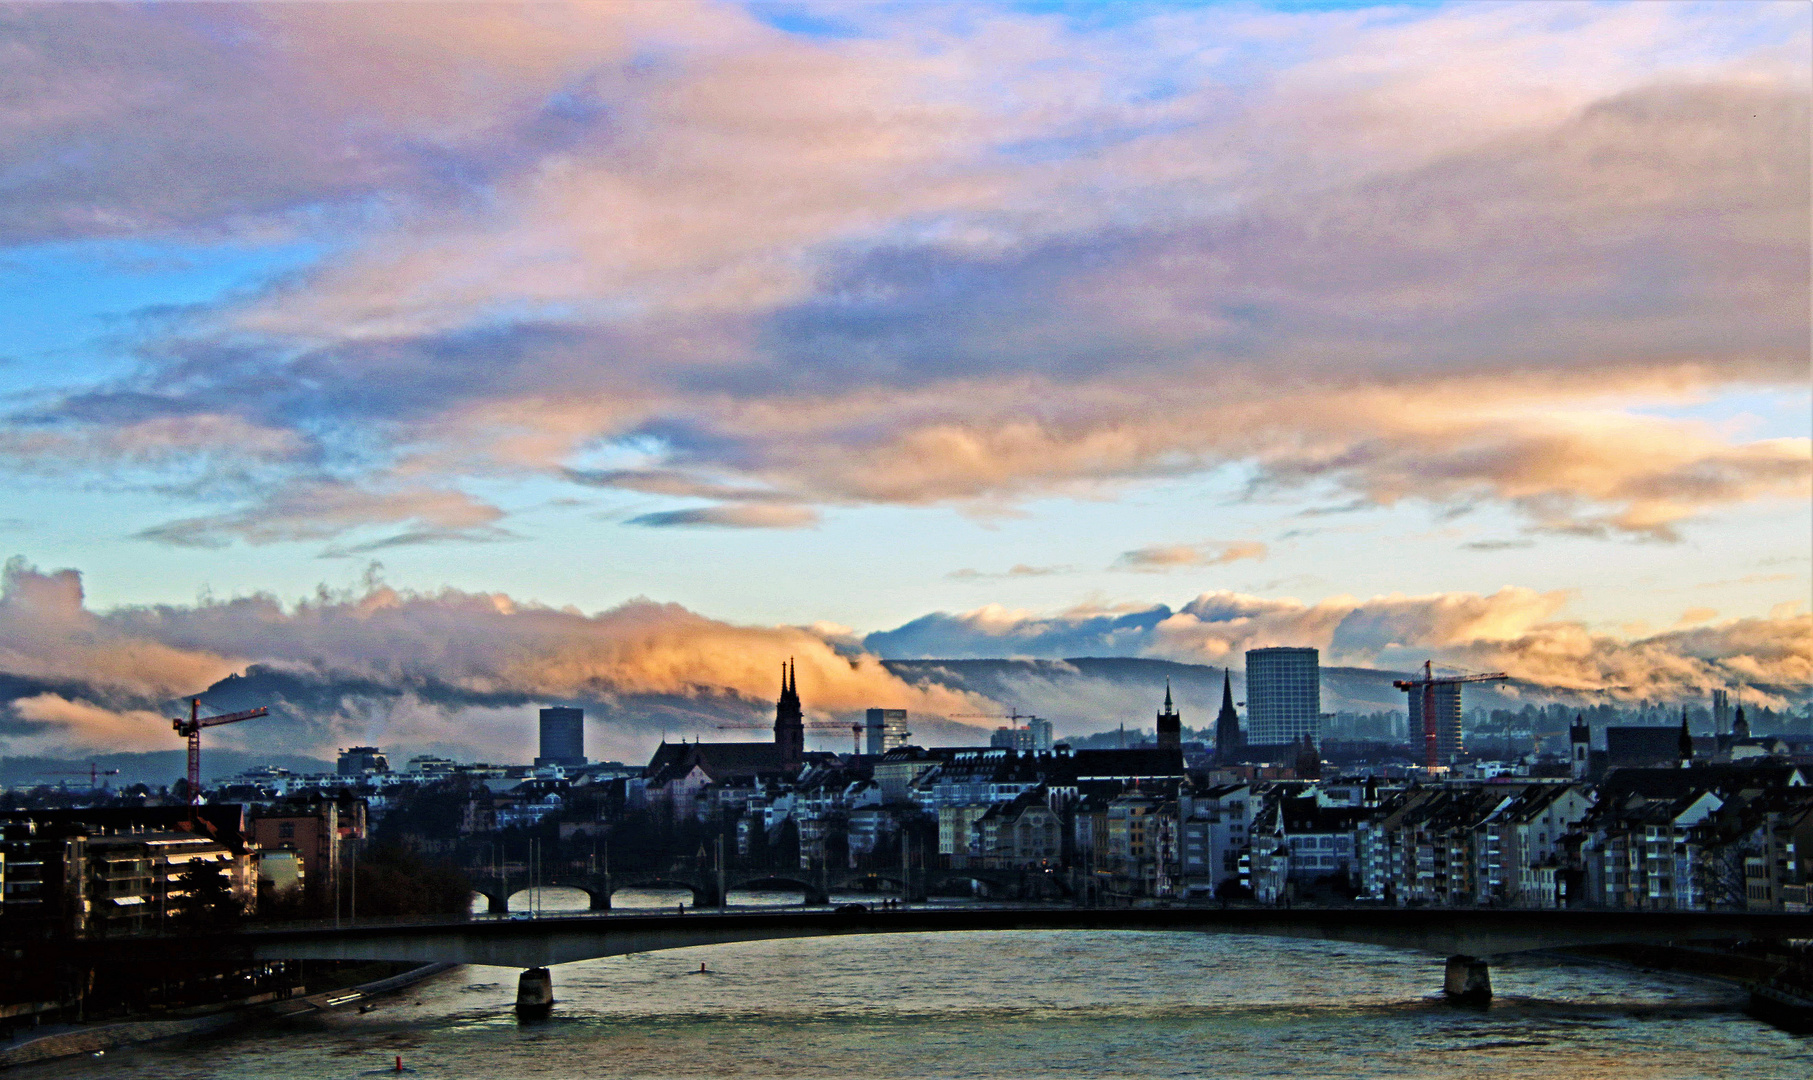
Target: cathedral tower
column 789, row 725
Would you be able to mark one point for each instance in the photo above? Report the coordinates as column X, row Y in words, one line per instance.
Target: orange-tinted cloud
column 1449, row 256
column 1160, row 558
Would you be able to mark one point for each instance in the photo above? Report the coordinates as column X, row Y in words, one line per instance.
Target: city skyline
column 619, row 353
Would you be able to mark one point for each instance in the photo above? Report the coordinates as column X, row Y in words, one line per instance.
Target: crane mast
column 191, row 727
column 1426, row 686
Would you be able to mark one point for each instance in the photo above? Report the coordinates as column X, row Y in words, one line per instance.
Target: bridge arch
column 497, row 901
column 986, row 888
column 868, row 879
column 814, row 894
column 700, row 897
column 598, row 897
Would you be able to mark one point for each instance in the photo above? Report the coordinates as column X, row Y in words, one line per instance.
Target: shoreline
column 103, row 1037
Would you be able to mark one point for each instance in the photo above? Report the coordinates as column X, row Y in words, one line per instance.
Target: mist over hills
column 157, row 768
column 1085, row 695
column 312, row 714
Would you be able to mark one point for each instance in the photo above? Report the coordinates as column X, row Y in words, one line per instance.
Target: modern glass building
column 1283, row 696
column 884, row 729
column 562, row 737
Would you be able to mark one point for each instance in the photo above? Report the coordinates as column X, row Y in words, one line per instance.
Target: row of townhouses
column 1138, row 823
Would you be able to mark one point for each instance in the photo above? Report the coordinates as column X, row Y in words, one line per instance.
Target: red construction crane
column 1427, row 684
column 191, row 726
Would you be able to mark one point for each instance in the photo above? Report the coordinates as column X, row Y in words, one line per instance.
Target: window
column 286, row 830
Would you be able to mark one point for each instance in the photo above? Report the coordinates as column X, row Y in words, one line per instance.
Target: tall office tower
column 789, row 719
column 1448, row 744
column 1170, row 722
column 884, row 729
column 562, row 737
column 1227, row 722
column 1580, row 740
column 1283, row 696
column 1034, row 738
column 1721, row 711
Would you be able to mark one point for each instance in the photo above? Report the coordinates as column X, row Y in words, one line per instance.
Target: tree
column 393, row 880
column 209, row 902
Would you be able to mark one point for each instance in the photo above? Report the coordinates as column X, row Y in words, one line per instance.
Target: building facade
column 562, row 737
column 1444, row 702
column 1283, row 696
column 884, row 730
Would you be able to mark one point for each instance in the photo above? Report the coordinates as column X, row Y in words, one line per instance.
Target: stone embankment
column 77, row 1040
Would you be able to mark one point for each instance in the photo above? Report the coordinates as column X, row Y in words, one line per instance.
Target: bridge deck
column 564, row 939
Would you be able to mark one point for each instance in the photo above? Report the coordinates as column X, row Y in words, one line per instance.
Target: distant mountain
column 158, row 768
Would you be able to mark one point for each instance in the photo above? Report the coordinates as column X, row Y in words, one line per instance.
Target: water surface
column 1016, row 1004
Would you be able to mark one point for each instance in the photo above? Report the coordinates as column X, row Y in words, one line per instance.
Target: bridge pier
column 534, row 993
column 599, row 899
column 1467, row 981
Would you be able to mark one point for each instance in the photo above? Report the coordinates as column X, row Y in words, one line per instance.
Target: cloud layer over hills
column 462, row 672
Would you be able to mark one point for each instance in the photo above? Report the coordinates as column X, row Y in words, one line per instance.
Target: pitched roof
column 1147, row 761
column 719, row 761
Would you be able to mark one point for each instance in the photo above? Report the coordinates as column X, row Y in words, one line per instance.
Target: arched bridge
column 815, row 886
column 564, row 939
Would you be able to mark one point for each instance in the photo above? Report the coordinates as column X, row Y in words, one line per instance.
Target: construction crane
column 191, row 726
column 93, row 772
column 1427, row 685
column 1012, row 716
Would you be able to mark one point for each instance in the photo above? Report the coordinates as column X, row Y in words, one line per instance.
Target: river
column 1018, row 1004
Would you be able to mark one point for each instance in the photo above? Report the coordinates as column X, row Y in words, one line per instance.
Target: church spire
column 1227, row 723
column 789, row 723
column 1170, row 724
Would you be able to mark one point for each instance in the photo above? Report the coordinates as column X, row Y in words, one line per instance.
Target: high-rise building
column 1034, row 738
column 1721, row 711
column 1170, row 722
column 789, row 718
column 359, row 760
column 1445, row 698
column 1283, row 696
column 884, row 729
column 1228, row 741
column 562, row 737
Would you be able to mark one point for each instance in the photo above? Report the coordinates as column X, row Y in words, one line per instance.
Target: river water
column 1017, row 1004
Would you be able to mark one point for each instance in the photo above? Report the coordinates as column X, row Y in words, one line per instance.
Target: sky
column 478, row 354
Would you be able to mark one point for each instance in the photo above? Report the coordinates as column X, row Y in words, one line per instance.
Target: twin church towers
column 1228, row 741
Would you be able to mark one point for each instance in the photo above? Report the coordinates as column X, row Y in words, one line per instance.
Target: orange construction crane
column 1427, row 685
column 191, row 726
